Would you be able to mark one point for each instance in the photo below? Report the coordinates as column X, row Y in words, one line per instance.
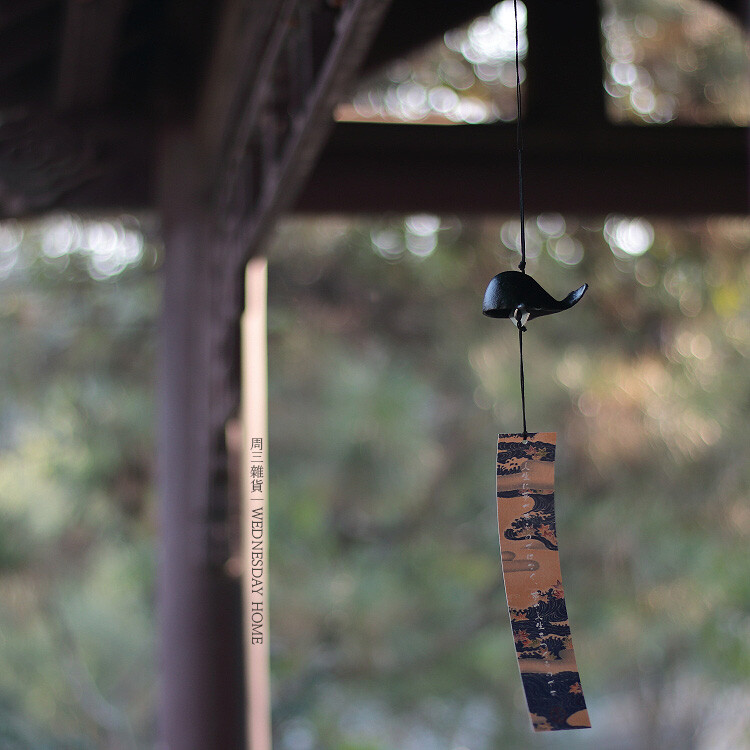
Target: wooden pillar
column 564, row 63
column 254, row 511
column 201, row 693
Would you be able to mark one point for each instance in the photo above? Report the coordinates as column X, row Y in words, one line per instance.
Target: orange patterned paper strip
column 533, row 583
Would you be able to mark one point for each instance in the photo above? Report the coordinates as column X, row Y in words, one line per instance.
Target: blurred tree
column 388, row 386
column 666, row 60
column 469, row 76
column 681, row 60
column 78, row 302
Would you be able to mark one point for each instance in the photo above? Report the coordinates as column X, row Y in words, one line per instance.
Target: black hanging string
column 519, row 148
column 522, row 264
column 523, row 394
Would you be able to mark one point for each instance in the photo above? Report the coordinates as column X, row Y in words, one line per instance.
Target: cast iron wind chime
column 526, row 513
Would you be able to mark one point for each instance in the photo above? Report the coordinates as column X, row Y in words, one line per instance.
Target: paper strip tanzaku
column 533, row 582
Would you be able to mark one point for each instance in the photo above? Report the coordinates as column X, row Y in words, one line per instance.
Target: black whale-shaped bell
column 513, row 291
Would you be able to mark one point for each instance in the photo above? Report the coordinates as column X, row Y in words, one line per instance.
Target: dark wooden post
column 217, row 215
column 201, row 703
column 564, row 64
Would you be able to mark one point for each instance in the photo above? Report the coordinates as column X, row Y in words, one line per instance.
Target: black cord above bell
column 514, row 294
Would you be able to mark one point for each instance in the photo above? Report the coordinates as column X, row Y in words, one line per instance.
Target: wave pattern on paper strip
column 533, row 582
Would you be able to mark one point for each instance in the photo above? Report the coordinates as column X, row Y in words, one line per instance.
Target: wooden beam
column 107, row 162
column 666, row 170
column 15, row 13
column 23, row 47
column 275, row 130
column 241, row 41
column 80, row 161
column 90, row 45
column 354, row 31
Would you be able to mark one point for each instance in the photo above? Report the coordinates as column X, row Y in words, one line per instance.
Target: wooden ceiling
column 88, row 88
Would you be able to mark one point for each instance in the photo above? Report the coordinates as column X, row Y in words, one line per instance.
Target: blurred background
column 387, row 389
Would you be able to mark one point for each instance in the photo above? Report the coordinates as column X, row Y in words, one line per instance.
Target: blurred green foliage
column 685, row 61
column 78, row 304
column 468, row 76
column 675, row 60
column 389, row 626
column 388, row 388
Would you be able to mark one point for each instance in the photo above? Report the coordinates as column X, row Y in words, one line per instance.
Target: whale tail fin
column 575, row 296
